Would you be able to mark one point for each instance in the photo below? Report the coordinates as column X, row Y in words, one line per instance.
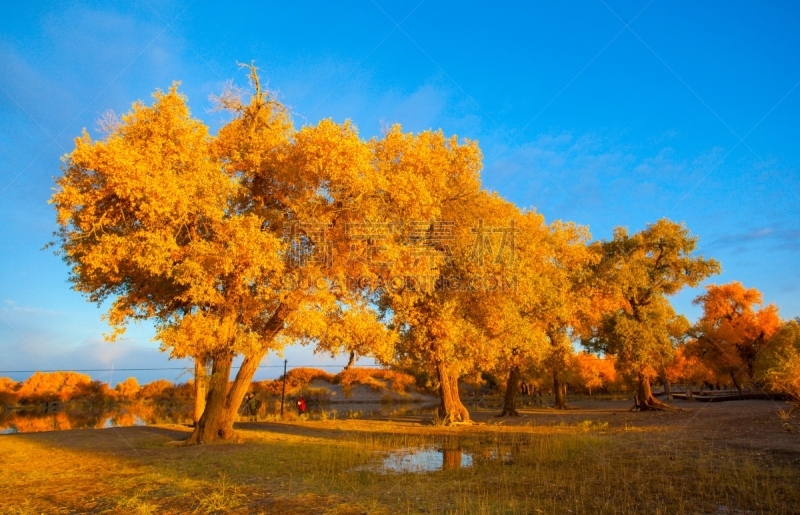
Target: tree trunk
column 351, row 360
column 689, row 392
column 646, row 400
column 215, row 423
column 667, row 389
column 737, row 383
column 451, row 409
column 559, row 390
column 224, row 400
column 509, row 405
column 200, row 378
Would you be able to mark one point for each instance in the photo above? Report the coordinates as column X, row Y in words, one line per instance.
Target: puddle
column 425, row 459
column 430, row 459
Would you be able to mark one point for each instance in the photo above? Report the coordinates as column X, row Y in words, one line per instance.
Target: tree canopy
column 262, row 235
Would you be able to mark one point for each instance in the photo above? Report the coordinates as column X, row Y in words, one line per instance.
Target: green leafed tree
column 635, row 275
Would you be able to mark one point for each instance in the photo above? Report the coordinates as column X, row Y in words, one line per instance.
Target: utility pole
column 283, row 393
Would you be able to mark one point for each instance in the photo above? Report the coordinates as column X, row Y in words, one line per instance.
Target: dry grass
column 328, row 467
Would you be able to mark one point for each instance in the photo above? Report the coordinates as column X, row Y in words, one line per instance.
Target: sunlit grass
column 334, row 467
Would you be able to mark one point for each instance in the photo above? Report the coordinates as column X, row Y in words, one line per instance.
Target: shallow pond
column 425, row 460
column 31, row 419
column 37, row 419
column 429, row 459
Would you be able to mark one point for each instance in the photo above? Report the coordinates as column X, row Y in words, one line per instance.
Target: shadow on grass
column 327, row 467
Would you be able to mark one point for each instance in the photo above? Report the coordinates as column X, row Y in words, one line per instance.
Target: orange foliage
column 296, row 379
column 8, row 385
column 303, row 376
column 8, row 391
column 686, row 367
column 128, row 388
column 377, row 379
column 155, row 389
column 299, row 378
column 592, row 372
column 734, row 328
column 43, row 386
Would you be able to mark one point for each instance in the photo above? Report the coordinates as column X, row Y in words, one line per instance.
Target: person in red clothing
column 301, row 404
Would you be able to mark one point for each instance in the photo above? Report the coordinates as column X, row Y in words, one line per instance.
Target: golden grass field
column 727, row 458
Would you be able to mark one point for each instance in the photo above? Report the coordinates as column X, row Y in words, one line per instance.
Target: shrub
column 128, row 388
column 298, row 377
column 8, row 391
column 9, row 385
column 355, row 376
column 93, row 391
column 400, row 381
column 377, row 379
column 155, row 389
column 296, row 380
column 50, row 386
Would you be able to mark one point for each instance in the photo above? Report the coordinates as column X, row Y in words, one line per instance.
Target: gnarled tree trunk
column 451, row 410
column 558, row 389
column 224, row 399
column 200, row 378
column 737, row 383
column 351, row 360
column 509, row 404
column 216, row 421
column 646, row 401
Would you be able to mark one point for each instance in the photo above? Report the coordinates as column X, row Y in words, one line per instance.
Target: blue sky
column 605, row 113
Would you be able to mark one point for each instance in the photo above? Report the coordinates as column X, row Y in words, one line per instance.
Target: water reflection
column 425, row 460
column 82, row 416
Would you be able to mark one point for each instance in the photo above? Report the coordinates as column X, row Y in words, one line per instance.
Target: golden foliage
column 636, row 273
column 377, row 379
column 128, row 388
column 592, row 372
column 52, row 385
column 733, row 330
column 211, row 237
column 778, row 365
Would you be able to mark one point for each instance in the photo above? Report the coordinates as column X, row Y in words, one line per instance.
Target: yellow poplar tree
column 519, row 340
column 732, row 330
column 447, row 223
column 638, row 271
column 199, row 233
column 778, row 365
column 555, row 294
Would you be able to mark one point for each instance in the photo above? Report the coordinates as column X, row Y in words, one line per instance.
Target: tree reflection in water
column 451, row 459
column 425, row 459
column 82, row 416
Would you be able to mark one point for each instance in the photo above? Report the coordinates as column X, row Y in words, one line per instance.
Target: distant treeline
column 587, row 374
column 44, row 387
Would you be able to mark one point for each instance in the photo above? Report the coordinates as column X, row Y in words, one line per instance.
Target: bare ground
column 752, row 424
